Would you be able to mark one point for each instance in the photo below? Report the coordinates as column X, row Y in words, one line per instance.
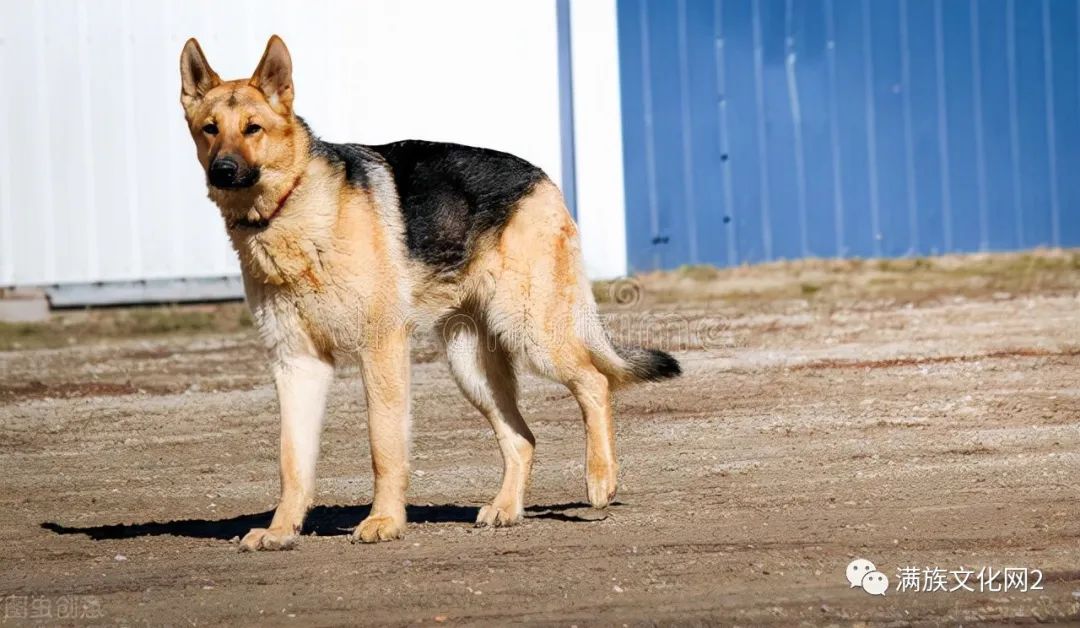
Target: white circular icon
column 875, row 583
column 856, row 569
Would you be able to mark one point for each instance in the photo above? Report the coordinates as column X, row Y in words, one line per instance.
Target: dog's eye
column 252, row 129
column 210, row 129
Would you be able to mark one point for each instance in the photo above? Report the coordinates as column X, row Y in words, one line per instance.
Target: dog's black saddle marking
column 450, row 195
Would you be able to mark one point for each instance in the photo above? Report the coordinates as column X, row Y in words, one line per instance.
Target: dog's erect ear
column 273, row 77
column 196, row 75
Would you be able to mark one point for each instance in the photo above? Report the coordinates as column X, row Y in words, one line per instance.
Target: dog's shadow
column 321, row 521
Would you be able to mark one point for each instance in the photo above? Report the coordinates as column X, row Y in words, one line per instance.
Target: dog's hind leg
column 541, row 305
column 592, row 391
column 302, row 383
column 483, row 370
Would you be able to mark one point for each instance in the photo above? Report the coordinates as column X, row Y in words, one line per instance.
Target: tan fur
column 329, row 279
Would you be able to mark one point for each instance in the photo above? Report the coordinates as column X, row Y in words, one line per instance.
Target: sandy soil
column 826, row 413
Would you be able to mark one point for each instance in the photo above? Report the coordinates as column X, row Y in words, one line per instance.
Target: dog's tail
column 624, row 364
column 644, row 365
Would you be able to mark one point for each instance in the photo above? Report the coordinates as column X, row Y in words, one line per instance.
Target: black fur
column 650, row 364
column 355, row 158
column 450, row 195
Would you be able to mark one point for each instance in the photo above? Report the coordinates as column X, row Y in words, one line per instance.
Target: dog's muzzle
column 229, row 173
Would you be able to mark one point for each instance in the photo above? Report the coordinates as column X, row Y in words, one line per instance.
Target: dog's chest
column 322, row 293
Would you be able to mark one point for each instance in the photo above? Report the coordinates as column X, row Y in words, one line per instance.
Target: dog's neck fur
column 263, row 200
column 269, row 252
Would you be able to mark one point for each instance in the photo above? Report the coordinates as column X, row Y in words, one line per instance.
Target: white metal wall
column 98, row 177
column 598, row 148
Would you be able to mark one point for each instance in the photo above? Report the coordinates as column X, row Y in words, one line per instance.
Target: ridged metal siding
column 99, row 180
column 767, row 129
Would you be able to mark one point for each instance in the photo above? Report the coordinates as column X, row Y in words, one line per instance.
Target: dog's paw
column 499, row 514
column 601, row 487
column 268, row 539
column 379, row 528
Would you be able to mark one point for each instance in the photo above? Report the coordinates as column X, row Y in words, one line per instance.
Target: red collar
column 263, row 222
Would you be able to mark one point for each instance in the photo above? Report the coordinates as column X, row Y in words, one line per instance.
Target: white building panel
column 598, row 147
column 98, row 177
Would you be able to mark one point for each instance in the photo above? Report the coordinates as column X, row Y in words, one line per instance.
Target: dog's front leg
column 302, row 383
column 385, row 370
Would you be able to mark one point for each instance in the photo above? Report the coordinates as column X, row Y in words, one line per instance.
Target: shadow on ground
column 322, row 521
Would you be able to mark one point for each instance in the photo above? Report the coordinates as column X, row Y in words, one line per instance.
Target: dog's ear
column 273, row 77
column 196, row 75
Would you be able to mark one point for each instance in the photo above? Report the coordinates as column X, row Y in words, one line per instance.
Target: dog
column 346, row 248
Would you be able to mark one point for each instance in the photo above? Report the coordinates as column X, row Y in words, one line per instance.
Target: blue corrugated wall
column 768, row 129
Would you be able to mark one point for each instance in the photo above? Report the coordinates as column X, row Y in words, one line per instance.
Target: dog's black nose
column 223, row 172
column 231, row 172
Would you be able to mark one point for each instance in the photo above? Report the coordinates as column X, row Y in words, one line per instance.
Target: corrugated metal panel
column 98, row 177
column 766, row 129
column 597, row 141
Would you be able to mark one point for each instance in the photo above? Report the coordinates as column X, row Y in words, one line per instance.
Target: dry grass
column 823, row 282
column 92, row 325
column 914, row 280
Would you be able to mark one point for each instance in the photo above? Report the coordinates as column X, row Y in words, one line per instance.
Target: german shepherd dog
column 346, row 248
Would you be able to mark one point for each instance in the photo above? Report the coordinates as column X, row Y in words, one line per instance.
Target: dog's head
column 244, row 130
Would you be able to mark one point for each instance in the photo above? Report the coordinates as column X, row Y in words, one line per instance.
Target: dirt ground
column 923, row 413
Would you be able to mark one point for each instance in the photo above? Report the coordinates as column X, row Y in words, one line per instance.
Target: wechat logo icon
column 862, row 573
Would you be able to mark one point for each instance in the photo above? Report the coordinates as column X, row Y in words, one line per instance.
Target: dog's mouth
column 252, row 221
column 257, row 221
